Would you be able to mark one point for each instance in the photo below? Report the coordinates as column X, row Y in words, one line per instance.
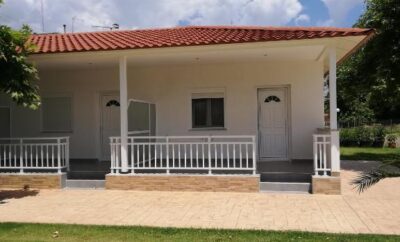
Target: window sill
column 209, row 129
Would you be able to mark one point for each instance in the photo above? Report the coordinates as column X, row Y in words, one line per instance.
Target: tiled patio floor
column 376, row 211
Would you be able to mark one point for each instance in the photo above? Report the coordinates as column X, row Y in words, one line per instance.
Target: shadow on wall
column 15, row 194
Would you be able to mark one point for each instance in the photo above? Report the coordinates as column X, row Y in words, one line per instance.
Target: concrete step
column 295, row 187
column 91, row 184
column 285, row 177
column 87, row 175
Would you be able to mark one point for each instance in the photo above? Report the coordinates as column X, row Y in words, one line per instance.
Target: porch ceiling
column 302, row 50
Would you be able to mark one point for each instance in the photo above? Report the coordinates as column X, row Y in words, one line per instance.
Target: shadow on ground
column 21, row 193
column 359, row 166
column 371, row 156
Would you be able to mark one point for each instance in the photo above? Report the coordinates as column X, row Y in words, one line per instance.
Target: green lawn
column 368, row 153
column 46, row 232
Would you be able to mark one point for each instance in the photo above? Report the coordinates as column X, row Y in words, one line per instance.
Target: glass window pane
column 217, row 112
column 138, row 116
column 199, row 112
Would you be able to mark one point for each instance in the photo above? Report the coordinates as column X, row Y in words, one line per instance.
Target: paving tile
column 375, row 211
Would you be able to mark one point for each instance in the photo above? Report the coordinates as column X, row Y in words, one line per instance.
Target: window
column 208, row 111
column 272, row 98
column 56, row 114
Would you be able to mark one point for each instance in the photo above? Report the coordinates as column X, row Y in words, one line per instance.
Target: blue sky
column 134, row 14
column 318, row 12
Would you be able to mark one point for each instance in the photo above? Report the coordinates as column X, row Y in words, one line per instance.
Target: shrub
column 364, row 136
column 391, row 138
column 348, row 137
column 379, row 133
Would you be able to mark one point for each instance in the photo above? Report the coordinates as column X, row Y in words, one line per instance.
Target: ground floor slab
column 376, row 211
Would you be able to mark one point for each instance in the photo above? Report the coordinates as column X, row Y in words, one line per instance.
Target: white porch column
column 123, row 94
column 335, row 149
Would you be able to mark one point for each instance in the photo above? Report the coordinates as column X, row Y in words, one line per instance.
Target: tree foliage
column 369, row 81
column 18, row 77
column 369, row 178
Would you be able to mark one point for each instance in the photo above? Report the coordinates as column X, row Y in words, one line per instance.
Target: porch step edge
column 304, row 187
column 92, row 184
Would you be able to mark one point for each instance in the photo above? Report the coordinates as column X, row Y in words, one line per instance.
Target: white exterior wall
column 84, row 87
column 170, row 88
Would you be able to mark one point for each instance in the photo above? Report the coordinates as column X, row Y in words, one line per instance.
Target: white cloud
column 326, row 23
column 150, row 13
column 302, row 19
column 338, row 10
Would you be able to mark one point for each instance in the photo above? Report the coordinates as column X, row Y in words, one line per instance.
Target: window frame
column 207, row 94
column 70, row 97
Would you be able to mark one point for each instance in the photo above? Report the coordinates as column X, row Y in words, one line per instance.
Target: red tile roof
column 180, row 36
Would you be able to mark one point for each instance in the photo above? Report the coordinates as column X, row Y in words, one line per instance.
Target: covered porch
column 159, row 138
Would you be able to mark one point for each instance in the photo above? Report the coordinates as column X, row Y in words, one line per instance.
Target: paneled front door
column 273, row 123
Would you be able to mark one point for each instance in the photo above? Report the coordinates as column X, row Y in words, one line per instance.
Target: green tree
column 369, row 81
column 18, row 77
column 369, row 178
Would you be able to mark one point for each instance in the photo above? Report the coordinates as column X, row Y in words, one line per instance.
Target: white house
column 185, row 108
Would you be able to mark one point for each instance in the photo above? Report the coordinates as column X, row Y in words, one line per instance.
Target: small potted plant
column 391, row 139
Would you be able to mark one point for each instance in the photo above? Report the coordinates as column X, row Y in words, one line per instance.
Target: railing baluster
column 173, row 155
column 132, row 147
column 191, row 155
column 216, row 155
column 228, row 155
column 222, row 155
column 143, row 154
column 137, row 160
column 247, row 155
column 209, row 155
column 41, row 156
column 52, row 155
column 36, row 156
column 21, row 159
column 197, row 155
column 234, row 155
column 202, row 153
column 324, row 152
column 112, row 155
column 179, row 154
column 167, row 154
column 253, row 139
column 240, row 156
column 185, row 153
column 30, row 156
column 155, row 154
column 58, row 155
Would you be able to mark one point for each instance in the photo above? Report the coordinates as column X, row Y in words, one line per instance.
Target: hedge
column 363, row 136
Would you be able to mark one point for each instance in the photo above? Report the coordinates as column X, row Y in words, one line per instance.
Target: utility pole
column 42, row 13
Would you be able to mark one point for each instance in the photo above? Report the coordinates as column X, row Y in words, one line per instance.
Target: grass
column 368, row 153
column 46, row 232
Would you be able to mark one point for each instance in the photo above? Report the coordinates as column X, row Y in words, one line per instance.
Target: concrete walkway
column 376, row 211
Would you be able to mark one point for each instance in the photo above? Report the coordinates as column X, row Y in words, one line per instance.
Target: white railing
column 180, row 153
column 50, row 153
column 322, row 154
column 139, row 133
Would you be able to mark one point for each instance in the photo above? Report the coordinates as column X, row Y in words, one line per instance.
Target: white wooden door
column 110, row 122
column 273, row 123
